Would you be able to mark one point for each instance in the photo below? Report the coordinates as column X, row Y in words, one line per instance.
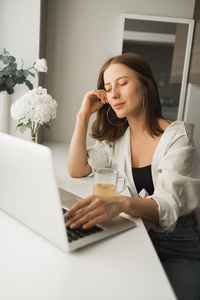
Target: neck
column 137, row 126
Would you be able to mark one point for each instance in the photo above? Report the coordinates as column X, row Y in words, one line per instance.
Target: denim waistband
column 183, row 223
column 187, row 220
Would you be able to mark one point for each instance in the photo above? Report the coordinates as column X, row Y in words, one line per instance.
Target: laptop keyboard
column 79, row 233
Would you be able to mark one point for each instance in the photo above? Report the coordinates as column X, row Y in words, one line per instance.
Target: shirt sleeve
column 176, row 191
column 100, row 155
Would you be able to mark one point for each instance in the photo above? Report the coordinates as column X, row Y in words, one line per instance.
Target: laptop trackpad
column 67, row 199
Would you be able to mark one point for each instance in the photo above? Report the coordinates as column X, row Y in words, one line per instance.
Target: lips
column 118, row 105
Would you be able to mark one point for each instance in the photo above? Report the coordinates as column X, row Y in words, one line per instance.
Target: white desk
column 121, row 267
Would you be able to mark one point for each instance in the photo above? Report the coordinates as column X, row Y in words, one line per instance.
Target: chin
column 121, row 115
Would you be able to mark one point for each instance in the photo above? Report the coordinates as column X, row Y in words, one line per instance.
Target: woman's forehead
column 116, row 71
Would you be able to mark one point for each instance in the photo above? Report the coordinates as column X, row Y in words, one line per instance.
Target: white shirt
column 176, row 191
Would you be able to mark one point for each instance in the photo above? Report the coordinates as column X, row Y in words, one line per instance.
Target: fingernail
column 72, row 226
column 84, row 226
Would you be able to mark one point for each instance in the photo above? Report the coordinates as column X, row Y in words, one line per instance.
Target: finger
column 90, row 211
column 80, row 204
column 80, row 213
column 96, row 208
column 101, row 96
column 93, row 95
column 94, row 204
column 85, row 219
column 104, row 95
column 95, row 221
column 106, row 99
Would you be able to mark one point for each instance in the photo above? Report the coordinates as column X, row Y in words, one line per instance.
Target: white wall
column 81, row 35
column 19, row 34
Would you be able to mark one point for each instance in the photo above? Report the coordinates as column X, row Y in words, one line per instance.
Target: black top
column 143, row 179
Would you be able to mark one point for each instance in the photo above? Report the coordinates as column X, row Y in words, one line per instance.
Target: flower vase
column 4, row 111
column 33, row 137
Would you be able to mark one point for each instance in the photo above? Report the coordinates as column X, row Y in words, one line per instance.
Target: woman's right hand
column 93, row 101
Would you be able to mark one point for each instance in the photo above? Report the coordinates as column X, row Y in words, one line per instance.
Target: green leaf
column 19, row 73
column 47, row 125
column 32, row 74
column 10, row 83
column 6, row 71
column 1, row 80
column 2, row 88
column 11, row 67
column 10, row 91
column 11, row 59
column 29, row 84
column 25, row 73
column 5, row 60
column 20, row 79
column 21, row 127
column 29, row 125
column 5, row 52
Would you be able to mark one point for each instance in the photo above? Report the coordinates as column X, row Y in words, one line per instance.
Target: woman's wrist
column 82, row 116
column 145, row 208
column 124, row 204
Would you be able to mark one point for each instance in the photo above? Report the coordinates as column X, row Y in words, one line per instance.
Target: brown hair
column 101, row 128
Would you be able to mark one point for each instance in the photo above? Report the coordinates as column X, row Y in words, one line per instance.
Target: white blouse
column 176, row 190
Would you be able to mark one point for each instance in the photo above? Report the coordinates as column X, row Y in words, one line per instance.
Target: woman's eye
column 122, row 83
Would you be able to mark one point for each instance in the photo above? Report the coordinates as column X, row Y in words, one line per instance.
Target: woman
column 153, row 154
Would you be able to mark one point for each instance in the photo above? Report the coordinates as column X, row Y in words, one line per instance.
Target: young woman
column 154, row 156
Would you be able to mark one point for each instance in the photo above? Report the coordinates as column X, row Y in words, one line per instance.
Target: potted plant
column 10, row 76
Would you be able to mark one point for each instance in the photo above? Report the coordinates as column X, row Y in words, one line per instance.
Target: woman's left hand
column 93, row 210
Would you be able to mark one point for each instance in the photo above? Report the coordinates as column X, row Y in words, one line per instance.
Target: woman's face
column 124, row 90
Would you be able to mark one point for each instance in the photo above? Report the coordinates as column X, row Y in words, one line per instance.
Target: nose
column 114, row 93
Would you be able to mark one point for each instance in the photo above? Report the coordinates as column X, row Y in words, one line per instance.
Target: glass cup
column 107, row 182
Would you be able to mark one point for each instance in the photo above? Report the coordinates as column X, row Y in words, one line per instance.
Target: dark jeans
column 179, row 253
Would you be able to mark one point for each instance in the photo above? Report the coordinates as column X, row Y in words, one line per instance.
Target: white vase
column 4, row 111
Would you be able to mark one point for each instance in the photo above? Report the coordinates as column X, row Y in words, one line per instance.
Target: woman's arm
column 96, row 209
column 145, row 208
column 77, row 159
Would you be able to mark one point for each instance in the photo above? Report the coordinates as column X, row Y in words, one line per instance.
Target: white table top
column 124, row 266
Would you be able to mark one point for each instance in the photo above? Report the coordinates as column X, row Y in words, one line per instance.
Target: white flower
column 41, row 65
column 36, row 107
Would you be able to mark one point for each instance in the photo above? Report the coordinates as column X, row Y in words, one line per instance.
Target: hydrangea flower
column 40, row 65
column 34, row 109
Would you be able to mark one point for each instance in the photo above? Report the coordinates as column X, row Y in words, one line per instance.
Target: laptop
column 29, row 193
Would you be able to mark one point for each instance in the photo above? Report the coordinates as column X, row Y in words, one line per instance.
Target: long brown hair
column 101, row 128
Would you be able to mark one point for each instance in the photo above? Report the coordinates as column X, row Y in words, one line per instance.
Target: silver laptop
column 29, row 193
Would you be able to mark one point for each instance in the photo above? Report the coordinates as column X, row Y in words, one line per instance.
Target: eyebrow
column 117, row 79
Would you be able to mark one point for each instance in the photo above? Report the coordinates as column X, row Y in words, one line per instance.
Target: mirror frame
column 190, row 23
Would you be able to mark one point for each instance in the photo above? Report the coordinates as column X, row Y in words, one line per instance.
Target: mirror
column 166, row 44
